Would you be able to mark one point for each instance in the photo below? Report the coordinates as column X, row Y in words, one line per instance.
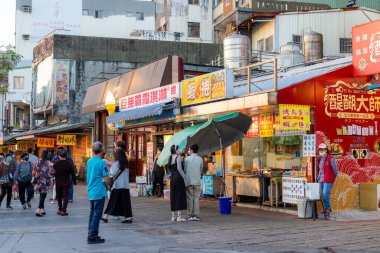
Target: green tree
column 8, row 60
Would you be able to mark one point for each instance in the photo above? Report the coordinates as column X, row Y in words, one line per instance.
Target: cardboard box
column 369, row 196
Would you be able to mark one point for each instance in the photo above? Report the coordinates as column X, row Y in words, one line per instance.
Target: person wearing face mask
column 23, row 176
column 6, row 181
column 327, row 172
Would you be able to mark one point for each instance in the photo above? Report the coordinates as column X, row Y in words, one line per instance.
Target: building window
column 139, row 15
column 98, row 14
column 196, row 2
column 260, row 45
column 18, row 82
column 85, row 12
column 297, row 39
column 269, row 44
column 193, row 29
column 345, row 45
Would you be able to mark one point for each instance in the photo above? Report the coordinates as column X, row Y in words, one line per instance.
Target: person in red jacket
column 328, row 170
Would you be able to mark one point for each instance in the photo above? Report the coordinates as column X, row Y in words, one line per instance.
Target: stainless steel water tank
column 237, row 50
column 313, row 46
column 290, row 55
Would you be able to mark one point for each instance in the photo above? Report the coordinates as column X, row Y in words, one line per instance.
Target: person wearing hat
column 327, row 172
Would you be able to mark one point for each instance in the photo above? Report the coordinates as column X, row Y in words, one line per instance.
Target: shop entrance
column 136, row 152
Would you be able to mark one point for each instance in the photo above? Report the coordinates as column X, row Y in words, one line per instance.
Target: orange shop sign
column 24, row 145
column 45, row 142
column 66, row 140
column 366, row 49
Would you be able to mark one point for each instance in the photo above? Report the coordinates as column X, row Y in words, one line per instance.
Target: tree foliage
column 8, row 61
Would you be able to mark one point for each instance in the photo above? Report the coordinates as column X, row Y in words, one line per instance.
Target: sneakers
column 194, row 218
column 96, row 240
column 9, row 207
column 173, row 218
column 29, row 204
column 24, row 206
column 180, row 219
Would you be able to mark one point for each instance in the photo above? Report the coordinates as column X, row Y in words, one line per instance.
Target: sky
column 7, row 22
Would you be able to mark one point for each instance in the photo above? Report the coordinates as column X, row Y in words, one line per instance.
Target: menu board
column 293, row 189
column 253, row 131
column 266, row 125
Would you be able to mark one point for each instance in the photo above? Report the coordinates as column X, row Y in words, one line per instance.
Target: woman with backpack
column 120, row 200
column 42, row 174
column 23, row 176
column 6, row 180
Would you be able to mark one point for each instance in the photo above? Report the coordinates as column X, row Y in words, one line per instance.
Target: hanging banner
column 294, row 117
column 253, row 131
column 309, row 145
column 62, row 81
column 161, row 95
column 366, row 49
column 4, row 149
column 66, row 140
column 24, row 145
column 266, row 125
column 205, row 88
column 45, row 142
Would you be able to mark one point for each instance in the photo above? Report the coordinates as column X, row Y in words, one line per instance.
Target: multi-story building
column 134, row 19
column 373, row 4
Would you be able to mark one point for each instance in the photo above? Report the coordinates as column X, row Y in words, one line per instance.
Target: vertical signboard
column 266, row 125
column 62, row 81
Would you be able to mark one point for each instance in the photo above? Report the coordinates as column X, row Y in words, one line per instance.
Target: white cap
column 322, row 146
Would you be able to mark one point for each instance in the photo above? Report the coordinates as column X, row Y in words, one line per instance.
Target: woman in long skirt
column 120, row 200
column 178, row 181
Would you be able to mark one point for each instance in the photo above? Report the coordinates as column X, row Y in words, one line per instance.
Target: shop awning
column 135, row 113
column 94, row 99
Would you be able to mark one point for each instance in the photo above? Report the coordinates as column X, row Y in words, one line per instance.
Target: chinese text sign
column 66, row 140
column 366, row 49
column 309, row 143
column 45, row 142
column 294, row 117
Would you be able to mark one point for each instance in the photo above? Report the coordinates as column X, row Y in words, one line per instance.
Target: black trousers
column 41, row 205
column 158, row 178
column 6, row 190
column 25, row 189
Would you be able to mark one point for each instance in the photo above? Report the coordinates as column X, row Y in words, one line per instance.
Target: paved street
column 246, row 230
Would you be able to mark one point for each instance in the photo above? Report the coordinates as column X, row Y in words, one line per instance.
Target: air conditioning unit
column 25, row 36
column 26, row 8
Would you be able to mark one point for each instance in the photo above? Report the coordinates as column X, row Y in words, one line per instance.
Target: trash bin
column 225, row 205
column 301, row 207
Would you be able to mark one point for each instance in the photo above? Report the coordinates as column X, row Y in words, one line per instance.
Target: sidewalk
column 246, row 230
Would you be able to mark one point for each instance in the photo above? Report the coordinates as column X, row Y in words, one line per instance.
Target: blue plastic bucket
column 225, row 205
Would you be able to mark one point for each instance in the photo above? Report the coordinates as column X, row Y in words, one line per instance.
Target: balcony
column 217, row 12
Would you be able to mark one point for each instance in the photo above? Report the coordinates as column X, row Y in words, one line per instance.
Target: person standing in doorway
column 327, row 172
column 42, row 175
column 6, row 180
column 23, row 176
column 158, row 176
column 178, row 182
column 32, row 158
column 193, row 169
column 63, row 170
column 97, row 185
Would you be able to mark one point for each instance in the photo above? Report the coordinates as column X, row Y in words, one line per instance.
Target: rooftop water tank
column 313, row 46
column 237, row 50
column 290, row 55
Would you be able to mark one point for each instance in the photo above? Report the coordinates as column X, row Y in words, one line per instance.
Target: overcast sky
column 7, row 22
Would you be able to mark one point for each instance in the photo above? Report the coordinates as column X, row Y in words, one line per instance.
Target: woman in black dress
column 158, row 176
column 178, row 182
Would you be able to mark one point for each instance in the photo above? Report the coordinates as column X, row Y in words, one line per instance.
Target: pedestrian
column 97, row 186
column 6, row 180
column 32, row 158
column 23, row 177
column 120, row 200
column 327, row 172
column 178, row 182
column 51, row 155
column 193, row 169
column 2, row 156
column 63, row 169
column 68, row 157
column 42, row 174
column 158, row 176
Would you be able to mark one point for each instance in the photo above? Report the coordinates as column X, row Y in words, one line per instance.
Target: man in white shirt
column 193, row 169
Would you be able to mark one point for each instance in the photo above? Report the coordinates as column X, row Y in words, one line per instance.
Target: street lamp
column 110, row 103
